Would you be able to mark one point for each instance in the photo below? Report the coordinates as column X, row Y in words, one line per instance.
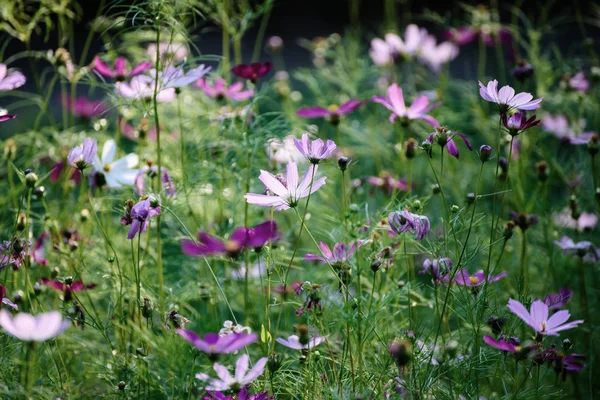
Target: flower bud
column 454, row 209
column 508, row 230
column 54, row 273
column 21, row 222
column 274, row 363
column 84, row 214
column 523, row 70
column 343, row 163
column 566, row 344
column 410, row 148
column 18, row 296
column 39, row 192
column 30, row 178
column 10, row 149
column 542, row 170
column 401, row 352
column 593, row 145
column 147, row 308
column 574, row 206
column 37, row 289
column 122, row 385
column 274, row 44
column 485, row 152
column 451, row 349
column 435, row 188
column 470, row 198
column 303, row 335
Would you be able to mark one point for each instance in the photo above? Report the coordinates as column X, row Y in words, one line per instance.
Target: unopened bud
column 39, row 192
column 593, row 145
column 410, row 148
column 542, row 170
column 401, row 352
column 21, row 222
column 485, row 152
column 84, row 214
column 508, row 230
column 470, row 198
column 10, row 149
column 30, row 178
column 343, row 163
column 566, row 344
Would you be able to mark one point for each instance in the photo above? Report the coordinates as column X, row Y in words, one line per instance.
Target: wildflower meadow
column 409, row 212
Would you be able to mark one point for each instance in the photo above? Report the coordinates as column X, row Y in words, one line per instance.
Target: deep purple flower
column 212, row 343
column 82, row 156
column 444, row 138
column 293, row 342
column 119, row 72
column 587, row 251
column 579, row 83
column 332, row 112
column 512, row 345
column 7, row 117
column 518, row 123
column 405, row 221
column 141, row 214
column 418, row 109
column 315, row 151
column 538, row 317
column 241, row 379
column 242, row 238
column 506, row 99
column 10, row 81
column 85, row 108
column 219, row 90
column 68, row 287
column 463, row 278
column 558, row 300
column 252, row 72
column 570, row 363
column 523, row 70
column 439, row 268
column 242, row 395
column 4, row 300
column 340, row 254
column 523, row 221
column 388, row 183
column 13, row 252
column 167, row 183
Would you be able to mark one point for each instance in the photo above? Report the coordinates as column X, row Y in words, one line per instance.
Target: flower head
column 287, row 192
column 518, row 123
column 177, row 77
column 340, row 254
column 463, row 278
column 559, row 126
column 332, row 112
column 82, row 156
column 293, row 342
column 461, row 35
column 387, row 182
column 315, row 151
column 405, row 221
column 5, row 300
column 506, row 99
column 418, row 109
column 10, row 81
column 141, row 214
column 213, row 343
column 283, row 151
column 444, row 138
column 439, row 268
column 587, row 251
column 13, row 252
column 242, row 377
column 115, row 173
column 579, row 83
column 219, row 90
column 152, row 171
column 119, row 71
column 142, row 87
column 6, row 117
column 85, row 108
column 538, row 319
column 33, row 328
column 252, row 72
column 512, row 345
column 68, row 287
column 558, row 300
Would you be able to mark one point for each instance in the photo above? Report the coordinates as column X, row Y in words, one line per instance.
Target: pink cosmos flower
column 559, row 126
column 579, row 83
column 315, row 151
column 287, row 192
column 463, row 278
column 585, row 222
column 84, row 108
column 511, row 344
column 167, row 183
column 293, row 342
column 587, row 251
column 169, row 52
column 252, row 72
column 388, row 183
column 177, row 77
column 68, row 287
column 10, row 81
column 418, row 110
column 219, row 90
column 119, row 71
column 242, row 377
column 33, row 328
column 140, row 215
column 506, row 99
column 538, row 317
column 340, row 254
column 7, row 117
column 518, row 123
column 215, row 344
column 435, row 55
column 81, row 157
column 333, row 112
column 39, row 249
column 141, row 87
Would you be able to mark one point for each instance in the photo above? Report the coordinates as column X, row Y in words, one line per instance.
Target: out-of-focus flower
column 579, row 83
column 142, row 87
column 558, row 300
column 388, row 183
column 315, row 151
column 82, row 156
column 252, row 72
column 512, row 345
column 242, row 395
column 85, row 108
column 332, row 112
column 506, row 99
column 559, row 126
column 538, row 319
column 152, row 171
column 33, row 328
column 405, row 221
column 287, row 192
column 168, row 52
column 68, row 287
column 293, row 342
column 119, row 71
column 39, row 249
column 141, row 214
column 518, row 123
column 587, row 251
column 115, row 173
column 219, row 90
column 177, row 77
column 283, row 151
column 418, row 109
column 340, row 254
column 10, row 81
column 242, row 377
column 524, row 221
column 461, row 35
column 229, row 328
column 435, row 55
column 523, row 70
column 585, row 221
column 7, row 117
column 212, row 343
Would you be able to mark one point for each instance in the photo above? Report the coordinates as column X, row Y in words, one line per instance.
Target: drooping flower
column 512, row 345
column 518, row 123
column 242, row 238
column 142, row 87
column 177, row 77
column 242, row 395
column 506, row 99
column 444, row 138
column 242, row 378
column 333, row 113
column 438, row 268
column 219, row 90
column 252, row 72
column 283, row 151
column 463, row 278
column 418, row 109
column 119, row 71
column 315, row 151
column 68, row 287
column 10, row 81
column 5, row 300
column 213, row 343
column 558, row 300
column 287, row 192
column 538, row 319
column 141, row 214
column 293, row 342
column 152, row 171
column 587, row 251
column 340, row 254
column 33, row 328
column 405, row 221
column 82, row 156
column 117, row 173
column 13, row 252
column 579, row 83
column 85, row 108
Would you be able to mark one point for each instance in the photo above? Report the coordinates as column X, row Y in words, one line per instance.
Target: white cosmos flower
column 116, row 173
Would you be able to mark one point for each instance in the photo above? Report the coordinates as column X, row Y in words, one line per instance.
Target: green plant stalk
column 261, row 31
column 523, row 261
column 27, row 378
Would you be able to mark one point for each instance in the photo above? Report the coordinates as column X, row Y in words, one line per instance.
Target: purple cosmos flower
column 506, row 99
column 587, row 251
column 523, row 221
column 585, row 222
column 219, row 90
column 438, row 268
column 579, row 83
column 418, row 109
column 444, row 138
column 340, row 254
column 242, row 395
column 68, row 287
column 293, row 342
column 252, row 72
column 558, row 300
column 386, row 51
column 463, row 278
column 141, row 87
column 405, row 221
column 33, row 328
column 388, row 183
column 177, row 77
column 4, row 300
column 242, row 238
column 119, row 72
column 461, row 35
column 152, row 171
column 82, row 156
column 10, row 81
column 512, row 345
column 141, row 214
column 315, row 151
column 7, row 117
column 287, row 192
column 558, row 125
column 538, row 317
column 212, row 343
column 333, row 112
column 518, row 123
column 13, row 252
column 242, row 377
column 84, row 108
column 569, row 363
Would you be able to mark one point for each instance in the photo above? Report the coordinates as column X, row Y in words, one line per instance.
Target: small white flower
column 116, row 173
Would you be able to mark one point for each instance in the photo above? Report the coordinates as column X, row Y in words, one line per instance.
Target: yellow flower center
column 107, row 167
column 474, row 280
column 231, row 246
column 332, row 108
column 544, row 326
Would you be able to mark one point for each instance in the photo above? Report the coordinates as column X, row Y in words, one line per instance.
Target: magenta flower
column 538, row 317
column 141, row 87
column 68, row 287
column 4, row 300
column 141, row 213
column 439, row 268
column 518, row 123
column 558, row 300
column 242, row 395
column 333, row 112
column 139, row 183
column 293, row 342
column 7, row 117
column 418, row 109
column 461, row 35
column 444, row 138
column 579, row 83
column 315, row 151
column 119, row 72
column 512, row 345
column 568, row 363
column 587, row 251
column 10, row 81
column 340, row 254
column 463, row 278
column 84, row 108
column 506, row 99
column 215, row 344
column 252, row 72
column 287, row 192
column 242, row 377
column 242, row 238
column 219, row 90
column 81, row 157
column 405, row 221
column 33, row 328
